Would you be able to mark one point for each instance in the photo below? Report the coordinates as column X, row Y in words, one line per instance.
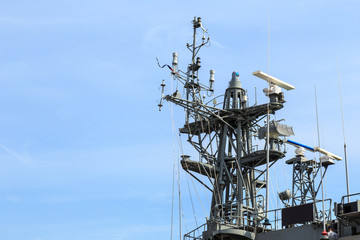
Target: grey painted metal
column 308, row 232
column 234, row 170
column 223, row 138
column 350, row 238
column 304, row 173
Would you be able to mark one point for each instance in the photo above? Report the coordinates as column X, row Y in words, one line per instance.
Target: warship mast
column 235, row 169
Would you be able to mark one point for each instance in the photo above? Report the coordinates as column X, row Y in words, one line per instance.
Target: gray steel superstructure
column 223, row 134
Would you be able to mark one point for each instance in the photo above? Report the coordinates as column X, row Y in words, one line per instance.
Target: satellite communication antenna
column 273, row 80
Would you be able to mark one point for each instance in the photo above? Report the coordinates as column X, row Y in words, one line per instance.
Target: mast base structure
column 235, row 169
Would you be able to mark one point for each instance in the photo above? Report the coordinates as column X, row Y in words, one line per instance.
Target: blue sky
column 84, row 151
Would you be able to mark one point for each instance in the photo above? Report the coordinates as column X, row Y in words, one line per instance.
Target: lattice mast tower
column 223, row 139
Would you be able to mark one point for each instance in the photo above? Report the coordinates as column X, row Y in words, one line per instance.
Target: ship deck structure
column 237, row 170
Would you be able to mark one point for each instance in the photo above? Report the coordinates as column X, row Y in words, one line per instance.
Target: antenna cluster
column 189, row 79
column 231, row 167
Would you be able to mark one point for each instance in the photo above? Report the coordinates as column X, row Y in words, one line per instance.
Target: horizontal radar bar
column 300, row 145
column 328, row 153
column 315, row 149
column 273, row 80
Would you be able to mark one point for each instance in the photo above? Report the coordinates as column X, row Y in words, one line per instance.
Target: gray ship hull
column 308, row 232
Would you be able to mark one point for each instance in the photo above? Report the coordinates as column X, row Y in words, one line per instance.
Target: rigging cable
column 321, row 170
column 192, row 203
column 268, row 124
column 165, row 65
column 191, row 178
column 178, row 179
column 207, row 174
column 192, row 181
column 181, row 149
column 179, row 199
column 323, row 146
column 181, row 212
column 200, row 155
column 190, row 133
column 343, row 129
column 174, row 163
column 172, row 202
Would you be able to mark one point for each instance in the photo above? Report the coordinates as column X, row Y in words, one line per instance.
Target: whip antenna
column 268, row 125
column 343, row 129
column 321, row 165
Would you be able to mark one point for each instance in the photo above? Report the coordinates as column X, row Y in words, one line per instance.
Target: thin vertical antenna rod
column 178, row 166
column 343, row 129
column 255, row 97
column 172, row 203
column 321, row 170
column 268, row 126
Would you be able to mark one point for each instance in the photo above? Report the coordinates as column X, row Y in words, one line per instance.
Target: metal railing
column 274, row 215
column 327, row 214
column 194, row 234
column 248, row 222
column 350, row 195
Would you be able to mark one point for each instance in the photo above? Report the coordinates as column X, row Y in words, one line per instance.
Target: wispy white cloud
column 25, row 159
column 217, row 44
